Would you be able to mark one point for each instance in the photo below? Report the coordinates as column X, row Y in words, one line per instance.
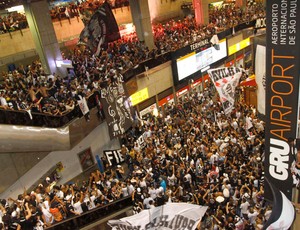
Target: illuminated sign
column 139, row 96
column 239, row 46
column 194, row 62
column 64, row 63
column 182, row 91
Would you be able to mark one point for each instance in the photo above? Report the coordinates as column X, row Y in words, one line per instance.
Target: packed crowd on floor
column 30, row 89
column 193, row 153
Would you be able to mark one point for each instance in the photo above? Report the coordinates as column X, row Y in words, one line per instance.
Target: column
column 142, row 21
column 42, row 30
column 205, row 4
column 199, row 17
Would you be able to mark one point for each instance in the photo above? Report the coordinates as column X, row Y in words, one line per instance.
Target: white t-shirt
column 60, row 194
column 1, row 214
column 3, row 101
column 152, row 193
column 91, row 202
column 125, row 192
column 146, row 202
column 130, row 189
column 268, row 214
column 48, row 216
column 171, row 180
column 244, row 207
column 77, row 207
column 252, row 217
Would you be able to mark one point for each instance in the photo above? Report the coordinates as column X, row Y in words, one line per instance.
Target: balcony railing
column 39, row 119
column 92, row 216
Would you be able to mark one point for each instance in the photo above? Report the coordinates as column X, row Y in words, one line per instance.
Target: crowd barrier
column 13, row 117
column 92, row 216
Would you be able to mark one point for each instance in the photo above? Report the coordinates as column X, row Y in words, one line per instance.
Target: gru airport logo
column 282, row 89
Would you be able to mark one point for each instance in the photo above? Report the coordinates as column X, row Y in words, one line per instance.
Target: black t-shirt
column 27, row 224
column 70, row 209
column 13, row 224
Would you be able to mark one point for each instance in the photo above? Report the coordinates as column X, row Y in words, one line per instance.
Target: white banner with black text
column 226, row 80
column 169, row 216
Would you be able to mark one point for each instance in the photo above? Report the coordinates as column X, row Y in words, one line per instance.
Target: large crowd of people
column 10, row 22
column 30, row 89
column 83, row 9
column 193, row 153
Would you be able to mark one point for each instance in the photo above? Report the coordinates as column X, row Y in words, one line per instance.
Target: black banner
column 282, row 89
column 116, row 107
column 101, row 29
column 114, row 157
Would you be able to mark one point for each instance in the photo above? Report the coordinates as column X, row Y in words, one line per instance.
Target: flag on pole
column 101, row 29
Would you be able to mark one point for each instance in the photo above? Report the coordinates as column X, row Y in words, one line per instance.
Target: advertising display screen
column 195, row 61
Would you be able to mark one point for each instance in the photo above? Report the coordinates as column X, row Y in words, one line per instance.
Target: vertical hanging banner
column 260, row 78
column 282, row 90
column 116, row 107
column 226, row 80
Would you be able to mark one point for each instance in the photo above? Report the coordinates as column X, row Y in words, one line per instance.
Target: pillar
column 42, row 30
column 205, row 4
column 199, row 17
column 142, row 21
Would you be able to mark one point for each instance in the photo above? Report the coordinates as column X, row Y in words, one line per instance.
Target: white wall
column 159, row 79
column 98, row 140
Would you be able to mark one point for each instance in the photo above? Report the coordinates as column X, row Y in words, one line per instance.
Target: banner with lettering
column 116, row 107
column 169, row 216
column 114, row 157
column 226, row 80
column 282, row 92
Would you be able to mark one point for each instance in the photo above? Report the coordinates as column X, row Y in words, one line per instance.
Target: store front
column 165, row 99
column 240, row 54
column 147, row 107
column 182, row 93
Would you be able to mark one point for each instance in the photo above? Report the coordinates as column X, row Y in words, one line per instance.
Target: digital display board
column 195, row 61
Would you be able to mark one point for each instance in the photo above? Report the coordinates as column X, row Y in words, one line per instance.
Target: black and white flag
column 102, row 28
column 226, row 80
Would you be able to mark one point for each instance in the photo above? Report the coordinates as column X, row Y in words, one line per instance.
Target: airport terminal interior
column 145, row 114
